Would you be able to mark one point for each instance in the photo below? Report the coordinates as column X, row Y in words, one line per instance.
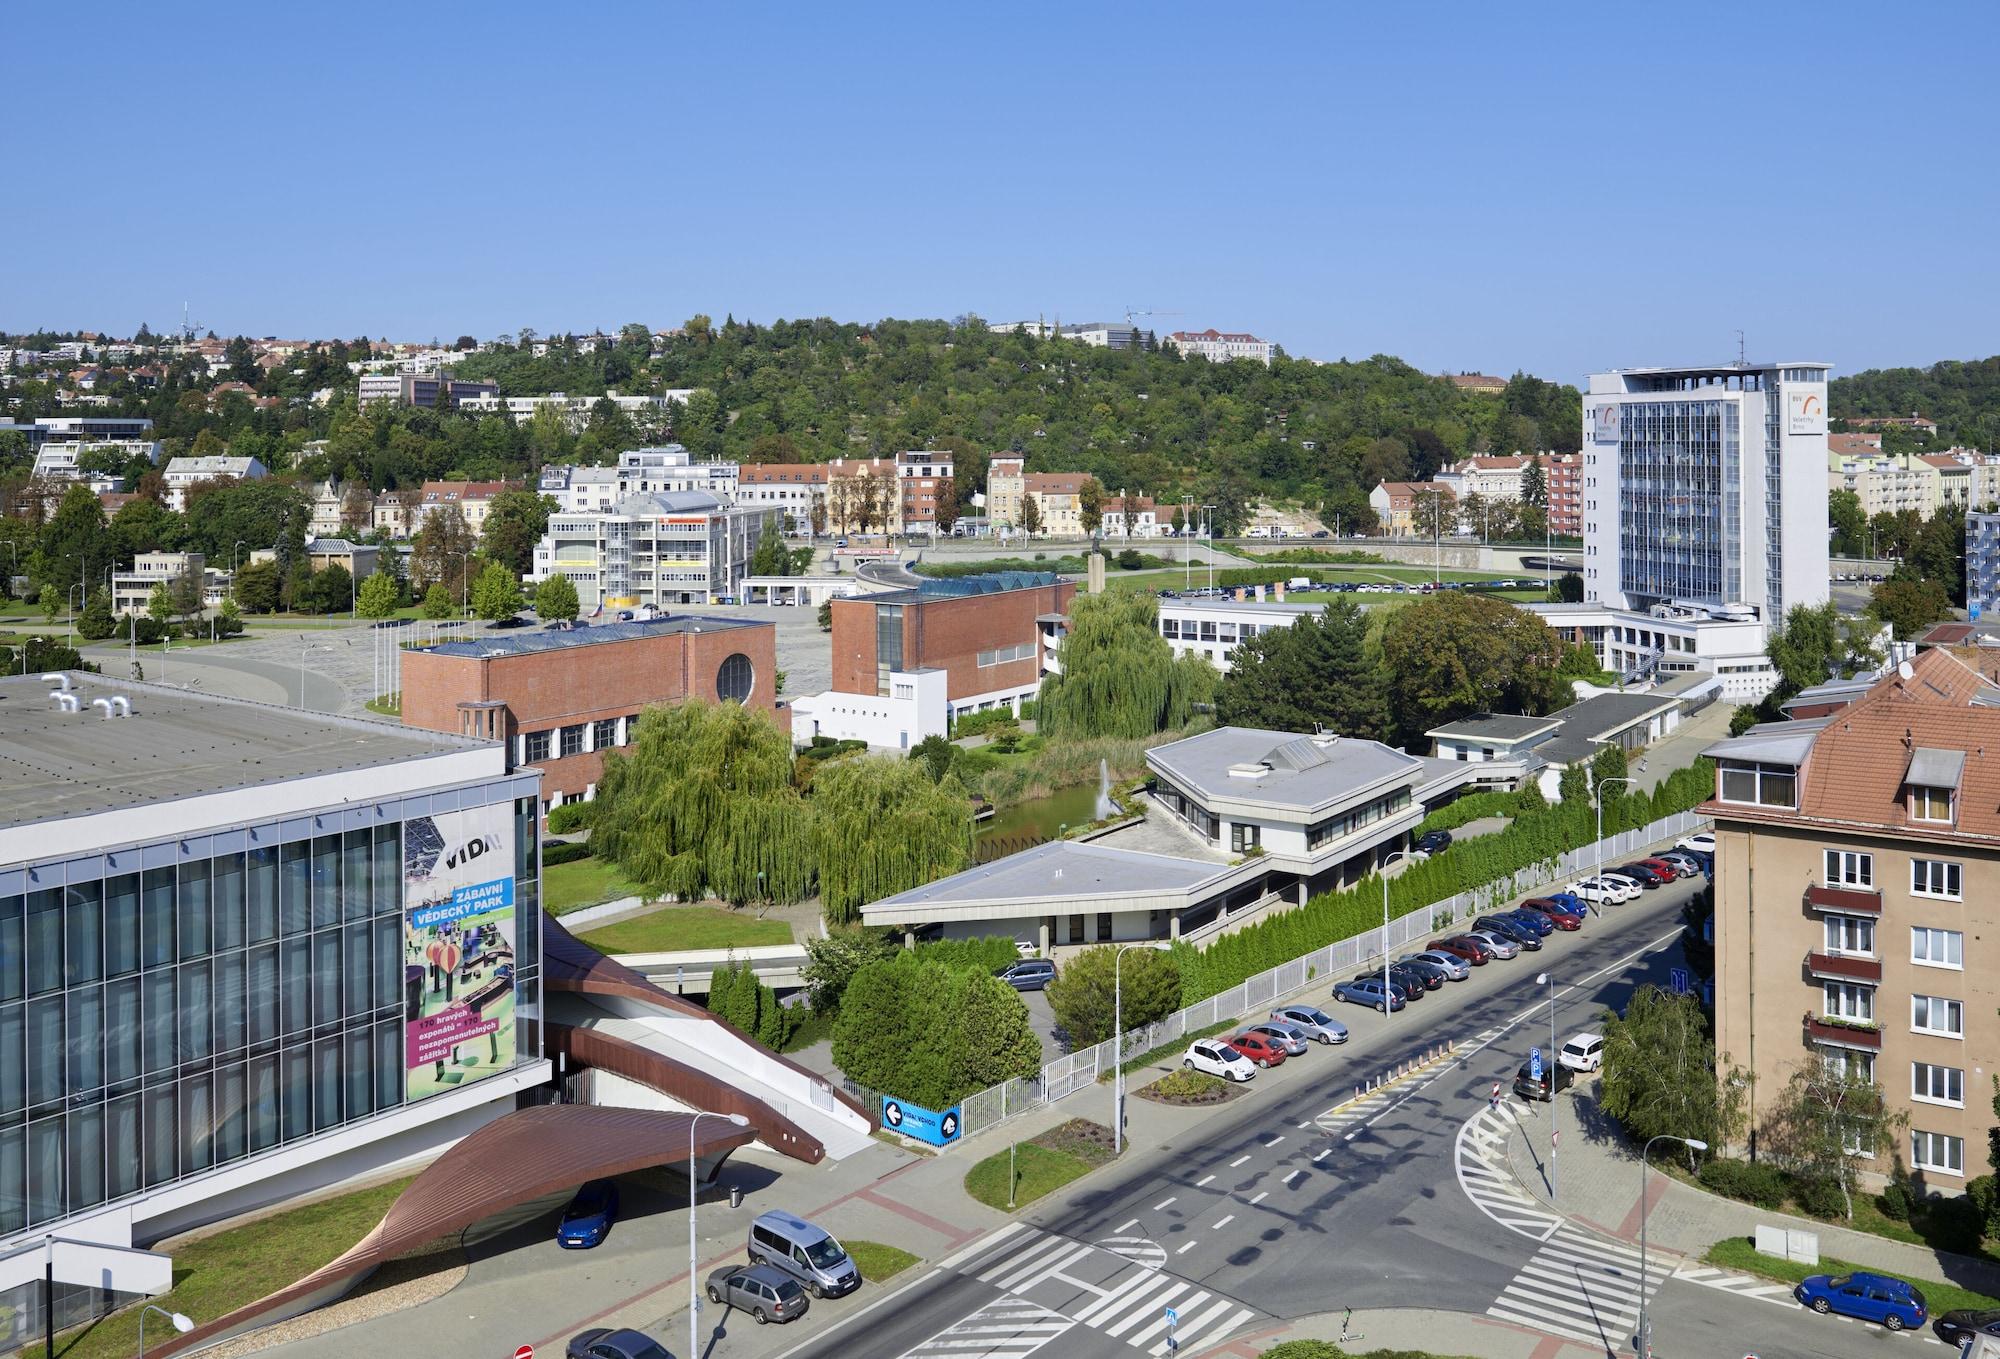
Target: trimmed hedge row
column 1534, row 838
column 1473, row 806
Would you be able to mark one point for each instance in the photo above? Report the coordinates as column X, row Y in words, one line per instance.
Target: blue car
column 1367, row 991
column 1865, row 1297
column 588, row 1219
column 1570, row 902
column 1533, row 920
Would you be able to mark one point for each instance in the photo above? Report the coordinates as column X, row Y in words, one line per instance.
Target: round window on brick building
column 734, row 681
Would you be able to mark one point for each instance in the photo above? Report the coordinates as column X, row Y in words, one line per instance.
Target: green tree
column 51, row 602
column 947, row 505
column 826, row 615
column 1661, row 1072
column 771, row 557
column 76, row 545
column 515, row 522
column 228, row 618
column 1315, row 675
column 1456, row 653
column 555, row 598
column 1081, row 996
column 882, row 826
column 1031, row 515
column 256, row 587
column 702, row 804
column 1849, row 523
column 1574, row 787
column 931, row 1034
column 1909, row 603
column 1826, row 1117
column 442, row 550
column 1090, row 505
column 378, row 595
column 1535, row 484
column 496, row 594
column 1119, row 677
column 1609, row 763
column 935, row 754
column 186, row 593
column 160, row 603
column 95, row 623
column 833, row 959
column 438, row 603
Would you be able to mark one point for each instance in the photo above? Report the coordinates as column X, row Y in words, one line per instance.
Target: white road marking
column 1128, row 1226
column 1222, row 1222
column 1203, row 1180
column 1162, row 1203
column 1262, row 1194
column 1238, row 1161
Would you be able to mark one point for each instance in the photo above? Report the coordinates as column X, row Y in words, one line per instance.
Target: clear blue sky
column 1486, row 186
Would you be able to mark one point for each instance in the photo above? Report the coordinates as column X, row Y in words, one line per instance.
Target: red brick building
column 560, row 699
column 985, row 632
column 1564, row 475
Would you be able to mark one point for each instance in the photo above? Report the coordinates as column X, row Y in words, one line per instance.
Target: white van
column 1584, row 1052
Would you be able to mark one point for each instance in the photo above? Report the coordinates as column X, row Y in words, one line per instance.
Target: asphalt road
column 1288, row 1205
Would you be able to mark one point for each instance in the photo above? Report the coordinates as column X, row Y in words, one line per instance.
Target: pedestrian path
column 1580, row 1286
column 1075, row 1283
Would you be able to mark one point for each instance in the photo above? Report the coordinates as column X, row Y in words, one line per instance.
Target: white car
column 1605, row 891
column 1705, row 842
column 1632, row 886
column 1584, row 1052
column 1502, row 948
column 1217, row 1058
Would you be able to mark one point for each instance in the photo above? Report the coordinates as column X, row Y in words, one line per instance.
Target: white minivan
column 1584, row 1052
column 1217, row 1058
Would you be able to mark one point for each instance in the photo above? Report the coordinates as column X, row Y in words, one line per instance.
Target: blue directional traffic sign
column 1681, row 980
column 1534, row 1064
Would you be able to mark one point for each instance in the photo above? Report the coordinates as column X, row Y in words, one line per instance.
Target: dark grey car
column 1030, row 974
column 765, row 1292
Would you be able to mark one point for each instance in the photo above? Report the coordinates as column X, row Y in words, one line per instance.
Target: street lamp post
column 1118, row 1041
column 1388, row 994
column 83, row 585
column 1644, row 1340
column 1208, row 532
column 1597, row 796
column 232, row 556
column 180, row 1321
column 1555, row 1112
column 464, row 580
column 694, row 1261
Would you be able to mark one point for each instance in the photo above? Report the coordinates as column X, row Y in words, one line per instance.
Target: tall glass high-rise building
column 1706, row 488
column 245, row 951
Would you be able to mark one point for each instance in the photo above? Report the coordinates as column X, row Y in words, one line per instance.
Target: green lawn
column 672, row 929
column 584, row 882
column 1037, row 1171
column 217, row 1274
column 877, row 1261
column 1740, row 1252
column 389, row 705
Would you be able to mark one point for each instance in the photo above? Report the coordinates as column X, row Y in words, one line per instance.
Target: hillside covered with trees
column 1963, row 396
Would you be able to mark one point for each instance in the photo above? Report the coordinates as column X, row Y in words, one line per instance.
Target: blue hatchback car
column 1570, row 902
column 588, row 1219
column 1865, row 1297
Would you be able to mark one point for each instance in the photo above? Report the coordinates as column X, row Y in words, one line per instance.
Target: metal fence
column 1080, row 1070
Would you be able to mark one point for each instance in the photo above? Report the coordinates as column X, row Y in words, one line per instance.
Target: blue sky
column 1554, row 188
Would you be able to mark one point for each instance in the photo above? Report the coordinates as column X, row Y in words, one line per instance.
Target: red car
column 1542, row 906
column 1464, row 946
column 1259, row 1049
column 1666, row 870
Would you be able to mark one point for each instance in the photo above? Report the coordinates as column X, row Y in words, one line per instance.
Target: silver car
column 1314, row 1022
column 1502, row 948
column 1286, row 1035
column 1446, row 965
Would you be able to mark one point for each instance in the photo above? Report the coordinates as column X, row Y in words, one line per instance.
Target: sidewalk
column 1598, row 1183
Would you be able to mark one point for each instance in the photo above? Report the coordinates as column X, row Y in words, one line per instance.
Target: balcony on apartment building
column 1864, row 1035
column 1845, row 900
column 1847, row 967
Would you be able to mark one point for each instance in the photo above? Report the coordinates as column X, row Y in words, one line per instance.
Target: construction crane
column 1132, row 315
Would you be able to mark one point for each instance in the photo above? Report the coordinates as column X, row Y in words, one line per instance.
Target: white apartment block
column 640, row 471
column 1213, row 628
column 658, row 549
column 1490, row 477
column 420, row 389
column 182, row 473
column 132, row 591
column 575, row 409
column 1219, row 346
column 1132, row 516
column 59, row 461
column 791, row 488
column 1668, row 641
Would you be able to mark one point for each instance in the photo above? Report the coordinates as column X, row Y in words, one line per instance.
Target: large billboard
column 1805, row 413
column 458, row 947
column 1604, row 424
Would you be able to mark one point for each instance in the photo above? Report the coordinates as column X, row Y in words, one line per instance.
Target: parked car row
column 1692, row 856
column 1289, row 1031
column 1496, row 934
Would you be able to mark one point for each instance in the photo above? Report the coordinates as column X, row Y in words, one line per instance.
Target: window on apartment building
column 1850, row 934
column 1845, row 868
column 572, row 740
column 604, row 733
column 1936, row 1151
column 1937, row 1015
column 1935, row 878
column 535, row 747
column 1928, row 803
column 1847, row 1064
column 1764, row 785
column 1937, row 1084
column 1244, row 837
column 1848, row 1000
column 1937, row 948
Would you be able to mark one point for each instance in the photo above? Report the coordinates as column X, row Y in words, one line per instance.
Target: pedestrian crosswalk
column 1051, row 1283
column 1480, row 1159
column 1743, row 1285
column 1580, row 1286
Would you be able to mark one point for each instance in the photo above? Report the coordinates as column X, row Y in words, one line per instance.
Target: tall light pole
column 1388, row 993
column 1597, row 796
column 1644, row 1340
column 70, row 595
column 1548, row 979
column 232, row 556
column 1437, row 537
column 464, row 580
column 1118, row 1038
column 694, row 1193
column 304, row 647
column 1208, row 532
column 180, row 1321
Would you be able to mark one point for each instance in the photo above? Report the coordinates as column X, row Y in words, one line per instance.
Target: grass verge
column 877, row 1261
column 1174, row 1049
column 1041, row 1165
column 585, row 882
column 1740, row 1252
column 214, row 1275
column 389, row 705
column 674, row 928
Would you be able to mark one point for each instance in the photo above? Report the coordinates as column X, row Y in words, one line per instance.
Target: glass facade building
column 171, row 1008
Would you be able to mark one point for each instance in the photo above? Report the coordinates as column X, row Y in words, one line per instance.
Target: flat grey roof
column 1271, row 606
column 175, row 745
column 1604, row 714
column 1495, row 727
column 521, row 641
column 1059, row 869
column 1305, row 772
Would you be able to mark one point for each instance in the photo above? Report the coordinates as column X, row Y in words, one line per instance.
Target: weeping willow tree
column 702, row 804
column 1119, row 677
column 881, row 826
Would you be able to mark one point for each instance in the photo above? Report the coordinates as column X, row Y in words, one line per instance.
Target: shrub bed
column 1189, row 1087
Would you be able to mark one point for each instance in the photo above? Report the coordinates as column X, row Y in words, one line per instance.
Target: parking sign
column 1534, row 1064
